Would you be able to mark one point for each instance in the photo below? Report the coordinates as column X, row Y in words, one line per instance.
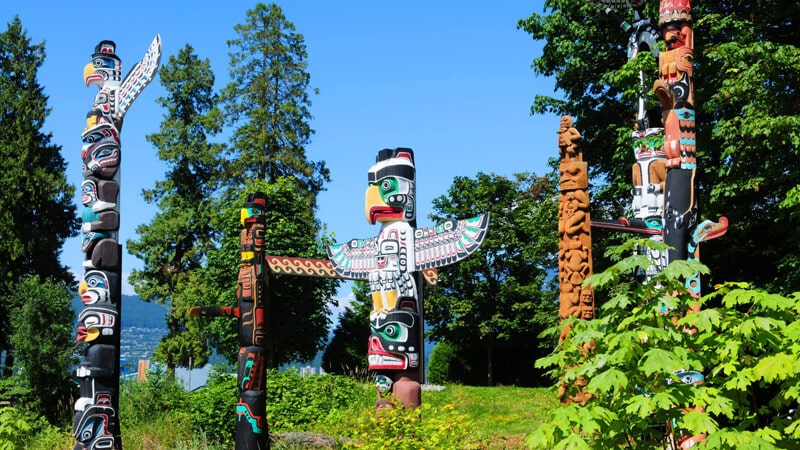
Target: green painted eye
column 388, row 185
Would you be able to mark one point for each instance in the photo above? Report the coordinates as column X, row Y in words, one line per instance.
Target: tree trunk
column 489, row 369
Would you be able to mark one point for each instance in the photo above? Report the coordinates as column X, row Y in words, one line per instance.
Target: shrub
column 399, row 428
column 444, row 364
column 743, row 340
column 294, row 402
column 213, row 409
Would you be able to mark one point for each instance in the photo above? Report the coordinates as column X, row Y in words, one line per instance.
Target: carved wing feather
column 141, row 74
column 355, row 259
column 448, row 242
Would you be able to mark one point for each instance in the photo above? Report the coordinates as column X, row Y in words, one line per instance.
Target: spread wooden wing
column 139, row 77
column 355, row 259
column 448, row 242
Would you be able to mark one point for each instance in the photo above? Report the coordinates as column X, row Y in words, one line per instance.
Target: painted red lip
column 377, row 212
column 81, row 334
column 388, row 360
column 93, row 77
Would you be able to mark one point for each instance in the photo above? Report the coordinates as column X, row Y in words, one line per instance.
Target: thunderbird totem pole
column 392, row 262
column 96, row 423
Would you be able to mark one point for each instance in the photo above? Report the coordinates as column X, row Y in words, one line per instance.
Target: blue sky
column 452, row 80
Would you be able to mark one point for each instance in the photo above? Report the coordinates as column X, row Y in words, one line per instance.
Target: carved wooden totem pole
column 392, row 261
column 96, row 424
column 251, row 294
column 665, row 202
column 574, row 229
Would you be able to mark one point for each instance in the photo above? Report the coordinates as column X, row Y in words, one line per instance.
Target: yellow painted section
column 384, row 300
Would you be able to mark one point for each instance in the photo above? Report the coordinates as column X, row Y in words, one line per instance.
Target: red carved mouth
column 382, row 211
column 381, row 359
column 92, row 78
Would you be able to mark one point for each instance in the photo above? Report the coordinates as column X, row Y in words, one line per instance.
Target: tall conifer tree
column 175, row 244
column 36, row 210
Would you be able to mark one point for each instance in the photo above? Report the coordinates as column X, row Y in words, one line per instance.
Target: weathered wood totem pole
column 96, row 424
column 392, row 262
column 251, row 293
column 574, row 242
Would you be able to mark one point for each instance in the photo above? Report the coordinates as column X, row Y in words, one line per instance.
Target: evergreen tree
column 267, row 102
column 36, row 210
column 747, row 95
column 266, row 105
column 175, row 244
column 491, row 306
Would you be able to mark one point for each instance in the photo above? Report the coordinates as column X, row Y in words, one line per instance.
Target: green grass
column 502, row 415
column 498, row 418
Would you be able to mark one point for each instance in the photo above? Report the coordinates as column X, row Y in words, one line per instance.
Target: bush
column 399, row 428
column 445, row 364
column 18, row 427
column 295, row 402
column 743, row 340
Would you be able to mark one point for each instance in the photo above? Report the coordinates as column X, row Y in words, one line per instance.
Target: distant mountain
column 136, row 312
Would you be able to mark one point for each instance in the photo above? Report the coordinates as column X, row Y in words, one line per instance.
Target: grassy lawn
column 502, row 415
column 498, row 417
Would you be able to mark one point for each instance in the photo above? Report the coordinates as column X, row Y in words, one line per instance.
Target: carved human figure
column 568, row 138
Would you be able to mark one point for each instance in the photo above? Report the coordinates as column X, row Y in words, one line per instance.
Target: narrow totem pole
column 574, row 242
column 391, row 262
column 252, row 432
column 96, row 424
column 574, row 231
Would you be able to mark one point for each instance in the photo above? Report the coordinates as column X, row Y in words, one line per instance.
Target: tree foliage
column 297, row 308
column 346, row 353
column 44, row 346
column 747, row 94
column 175, row 244
column 267, row 102
column 36, row 210
column 492, row 305
column 743, row 341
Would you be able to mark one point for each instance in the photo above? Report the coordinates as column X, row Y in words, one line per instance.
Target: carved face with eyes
column 394, row 343
column 390, row 195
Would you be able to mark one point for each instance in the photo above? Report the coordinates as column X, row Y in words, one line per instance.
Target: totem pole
column 391, row 263
column 251, row 294
column 664, row 194
column 96, row 424
column 574, row 232
column 574, row 243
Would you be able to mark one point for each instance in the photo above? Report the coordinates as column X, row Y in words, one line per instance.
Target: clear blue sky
column 450, row 79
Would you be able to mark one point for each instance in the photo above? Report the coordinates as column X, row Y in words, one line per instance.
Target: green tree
column 175, row 244
column 445, row 364
column 44, row 346
column 267, row 102
column 492, row 305
column 297, row 307
column 747, row 95
column 36, row 210
column 346, row 353
column 743, row 342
